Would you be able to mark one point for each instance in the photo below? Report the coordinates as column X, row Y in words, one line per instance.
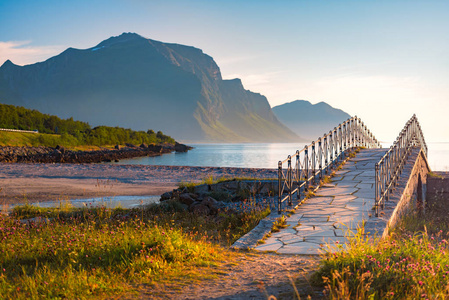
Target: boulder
column 155, row 148
column 201, row 189
column 233, row 185
column 186, row 198
column 166, row 196
column 210, row 202
column 143, row 145
column 181, row 147
column 60, row 148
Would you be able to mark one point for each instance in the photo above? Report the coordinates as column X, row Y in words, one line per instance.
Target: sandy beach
column 28, row 182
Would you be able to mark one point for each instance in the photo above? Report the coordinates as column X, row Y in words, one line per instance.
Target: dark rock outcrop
column 61, row 155
column 182, row 148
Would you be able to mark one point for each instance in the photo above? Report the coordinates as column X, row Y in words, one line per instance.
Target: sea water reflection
column 259, row 156
column 224, row 155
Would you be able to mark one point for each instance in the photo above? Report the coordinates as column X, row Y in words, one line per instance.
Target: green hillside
column 55, row 131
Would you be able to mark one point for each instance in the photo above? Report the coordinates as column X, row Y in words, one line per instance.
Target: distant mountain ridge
column 131, row 81
column 310, row 120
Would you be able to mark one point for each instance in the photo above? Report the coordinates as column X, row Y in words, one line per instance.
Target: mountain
column 131, row 81
column 309, row 120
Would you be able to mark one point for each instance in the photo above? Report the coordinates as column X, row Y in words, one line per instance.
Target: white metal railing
column 390, row 166
column 308, row 164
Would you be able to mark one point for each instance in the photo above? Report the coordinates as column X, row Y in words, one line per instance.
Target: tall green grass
column 409, row 264
column 81, row 253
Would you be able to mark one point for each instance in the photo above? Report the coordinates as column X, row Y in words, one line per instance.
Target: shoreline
column 41, row 182
column 42, row 154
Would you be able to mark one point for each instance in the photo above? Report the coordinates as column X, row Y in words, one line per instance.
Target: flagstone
column 336, row 191
column 270, row 244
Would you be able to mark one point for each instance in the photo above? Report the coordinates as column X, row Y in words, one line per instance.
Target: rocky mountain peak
column 8, row 64
column 135, row 82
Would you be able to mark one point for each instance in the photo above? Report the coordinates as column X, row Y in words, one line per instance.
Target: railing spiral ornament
column 308, row 165
column 390, row 166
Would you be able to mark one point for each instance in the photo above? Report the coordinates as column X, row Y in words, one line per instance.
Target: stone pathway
column 334, row 213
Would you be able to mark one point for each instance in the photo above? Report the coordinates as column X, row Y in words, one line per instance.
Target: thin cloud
column 22, row 53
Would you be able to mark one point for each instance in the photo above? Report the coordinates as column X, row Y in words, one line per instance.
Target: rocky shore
column 232, row 195
column 61, row 155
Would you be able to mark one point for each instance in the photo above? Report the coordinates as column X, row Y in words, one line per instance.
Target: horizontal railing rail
column 390, row 166
column 307, row 165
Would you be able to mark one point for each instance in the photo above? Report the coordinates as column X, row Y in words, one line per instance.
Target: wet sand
column 22, row 182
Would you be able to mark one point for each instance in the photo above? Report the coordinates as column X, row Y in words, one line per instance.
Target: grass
column 279, row 224
column 22, row 139
column 95, row 252
column 221, row 195
column 412, row 263
column 211, row 180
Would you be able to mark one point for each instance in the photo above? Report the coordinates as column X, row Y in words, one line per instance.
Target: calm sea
column 259, row 156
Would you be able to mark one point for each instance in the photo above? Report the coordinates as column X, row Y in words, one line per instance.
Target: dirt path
column 248, row 276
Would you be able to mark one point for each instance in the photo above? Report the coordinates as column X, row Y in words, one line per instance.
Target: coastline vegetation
column 93, row 252
column 69, row 133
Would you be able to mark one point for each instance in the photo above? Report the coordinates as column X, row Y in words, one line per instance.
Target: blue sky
column 380, row 60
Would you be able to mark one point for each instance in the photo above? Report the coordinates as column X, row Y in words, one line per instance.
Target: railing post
column 336, row 143
column 331, row 149
column 320, row 158
column 306, row 166
column 313, row 162
column 326, row 155
column 376, row 188
column 289, row 180
column 298, row 176
column 279, row 186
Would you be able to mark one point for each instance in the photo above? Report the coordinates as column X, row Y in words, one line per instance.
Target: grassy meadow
column 412, row 263
column 94, row 252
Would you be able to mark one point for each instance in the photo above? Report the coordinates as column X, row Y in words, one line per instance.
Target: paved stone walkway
column 334, row 213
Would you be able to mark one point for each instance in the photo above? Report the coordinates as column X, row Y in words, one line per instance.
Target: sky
column 380, row 60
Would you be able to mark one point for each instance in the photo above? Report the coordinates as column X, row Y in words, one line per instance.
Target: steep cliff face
column 140, row 83
column 310, row 120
